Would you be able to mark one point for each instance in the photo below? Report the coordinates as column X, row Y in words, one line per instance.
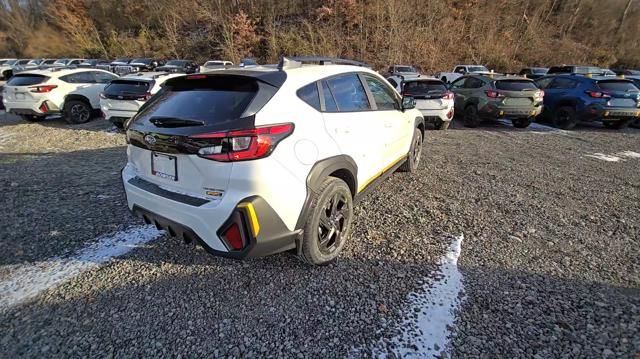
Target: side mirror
column 408, row 103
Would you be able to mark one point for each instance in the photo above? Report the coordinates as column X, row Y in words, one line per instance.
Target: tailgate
column 122, row 105
column 518, row 92
column 433, row 104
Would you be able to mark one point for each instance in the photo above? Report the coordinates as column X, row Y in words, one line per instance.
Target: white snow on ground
column 617, row 157
column 537, row 128
column 27, row 282
column 432, row 310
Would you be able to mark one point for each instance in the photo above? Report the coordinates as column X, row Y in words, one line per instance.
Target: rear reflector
column 44, row 108
column 233, row 237
column 598, row 94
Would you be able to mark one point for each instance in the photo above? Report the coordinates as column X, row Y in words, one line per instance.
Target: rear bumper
column 44, row 108
column 194, row 219
column 445, row 114
column 109, row 113
column 601, row 113
column 499, row 112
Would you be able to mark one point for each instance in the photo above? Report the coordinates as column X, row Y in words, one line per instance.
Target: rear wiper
column 174, row 122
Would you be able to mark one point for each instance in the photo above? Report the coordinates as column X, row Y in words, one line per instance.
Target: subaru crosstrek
column 433, row 98
column 480, row 97
column 255, row 161
column 570, row 99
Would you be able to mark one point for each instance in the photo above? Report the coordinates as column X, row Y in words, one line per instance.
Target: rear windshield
column 560, row 70
column 26, row 80
column 213, row 99
column 515, row 85
column 424, row 87
column 127, row 87
column 617, row 86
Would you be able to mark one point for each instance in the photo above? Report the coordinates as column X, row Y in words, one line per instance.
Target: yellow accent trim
column 253, row 218
column 606, row 113
column 501, row 113
column 368, row 182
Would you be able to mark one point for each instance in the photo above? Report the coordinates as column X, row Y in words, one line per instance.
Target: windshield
column 48, row 62
column 213, row 63
column 141, row 61
column 176, row 63
column 121, row 59
column 11, row 62
column 61, row 61
column 405, row 69
column 477, row 69
column 613, row 85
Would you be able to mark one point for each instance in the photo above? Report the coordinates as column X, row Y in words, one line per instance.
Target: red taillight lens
column 42, row 88
column 598, row 94
column 242, row 145
column 448, row 96
column 146, row 97
column 233, row 237
column 493, row 94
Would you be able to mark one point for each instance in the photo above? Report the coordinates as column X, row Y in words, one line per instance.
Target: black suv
column 186, row 66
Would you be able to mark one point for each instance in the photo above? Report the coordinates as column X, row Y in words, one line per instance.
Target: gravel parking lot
column 549, row 260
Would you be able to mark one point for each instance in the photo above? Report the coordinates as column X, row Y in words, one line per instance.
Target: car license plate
column 164, row 166
column 19, row 96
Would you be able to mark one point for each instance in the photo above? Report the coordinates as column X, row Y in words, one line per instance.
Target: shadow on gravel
column 56, row 203
column 97, row 124
column 514, row 314
column 505, row 125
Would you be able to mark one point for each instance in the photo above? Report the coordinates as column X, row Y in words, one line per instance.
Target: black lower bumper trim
column 178, row 197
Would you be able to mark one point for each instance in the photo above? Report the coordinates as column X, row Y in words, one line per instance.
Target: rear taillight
column 146, row 97
column 598, row 94
column 493, row 94
column 243, row 145
column 448, row 96
column 540, row 94
column 42, row 88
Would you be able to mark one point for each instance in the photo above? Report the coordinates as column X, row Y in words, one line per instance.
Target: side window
column 329, row 101
column 459, row 83
column 382, row 95
column 392, row 82
column 309, row 94
column 544, row 82
column 349, row 93
column 102, row 77
column 390, row 69
column 460, row 70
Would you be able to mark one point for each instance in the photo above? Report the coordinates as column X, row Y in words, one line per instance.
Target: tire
column 7, row 75
column 635, row 124
column 470, row 116
column 442, row 125
column 76, row 112
column 328, row 226
column 415, row 153
column 32, row 118
column 521, row 122
column 616, row 125
column 565, row 118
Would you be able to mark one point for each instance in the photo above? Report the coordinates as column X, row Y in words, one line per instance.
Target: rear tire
column 615, row 125
column 32, row 118
column 521, row 122
column 565, row 118
column 415, row 153
column 328, row 226
column 470, row 116
column 77, row 112
column 635, row 124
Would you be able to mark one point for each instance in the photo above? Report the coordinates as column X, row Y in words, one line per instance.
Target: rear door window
column 515, row 85
column 79, row 78
column 622, row 86
column 213, row 100
column 329, row 101
column 349, row 93
column 26, row 80
column 473, row 83
column 103, row 77
column 309, row 94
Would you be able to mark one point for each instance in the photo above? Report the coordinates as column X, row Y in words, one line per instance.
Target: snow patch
column 603, row 157
column 617, row 157
column 629, row 154
column 432, row 311
column 27, row 282
column 537, row 128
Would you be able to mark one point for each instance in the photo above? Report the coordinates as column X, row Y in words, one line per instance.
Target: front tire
column 329, row 224
column 415, row 152
column 77, row 112
column 635, row 124
column 565, row 118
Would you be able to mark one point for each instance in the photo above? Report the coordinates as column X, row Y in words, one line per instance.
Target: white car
column 461, row 70
column 123, row 97
column 215, row 65
column 433, row 98
column 75, row 93
column 6, row 69
column 60, row 63
column 255, row 161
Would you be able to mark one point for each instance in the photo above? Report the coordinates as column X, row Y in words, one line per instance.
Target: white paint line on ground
column 617, row 157
column 27, row 282
column 432, row 311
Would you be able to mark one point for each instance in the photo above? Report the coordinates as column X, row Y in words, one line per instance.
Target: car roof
column 59, row 72
column 151, row 75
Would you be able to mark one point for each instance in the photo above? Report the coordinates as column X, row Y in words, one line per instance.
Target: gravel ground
column 550, row 259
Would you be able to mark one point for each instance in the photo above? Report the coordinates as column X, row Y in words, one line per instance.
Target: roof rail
column 298, row 61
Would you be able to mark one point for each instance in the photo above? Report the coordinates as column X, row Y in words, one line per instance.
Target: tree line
column 431, row 34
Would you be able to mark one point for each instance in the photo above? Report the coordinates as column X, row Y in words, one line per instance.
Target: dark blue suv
column 569, row 99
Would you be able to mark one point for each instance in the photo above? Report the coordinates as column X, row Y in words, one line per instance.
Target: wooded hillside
column 433, row 34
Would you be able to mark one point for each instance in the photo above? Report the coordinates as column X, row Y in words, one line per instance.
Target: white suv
column 75, row 93
column 123, row 97
column 256, row 161
column 432, row 96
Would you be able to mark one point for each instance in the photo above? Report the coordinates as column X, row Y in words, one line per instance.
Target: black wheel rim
column 563, row 117
column 469, row 114
column 333, row 222
column 416, row 151
column 79, row 113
